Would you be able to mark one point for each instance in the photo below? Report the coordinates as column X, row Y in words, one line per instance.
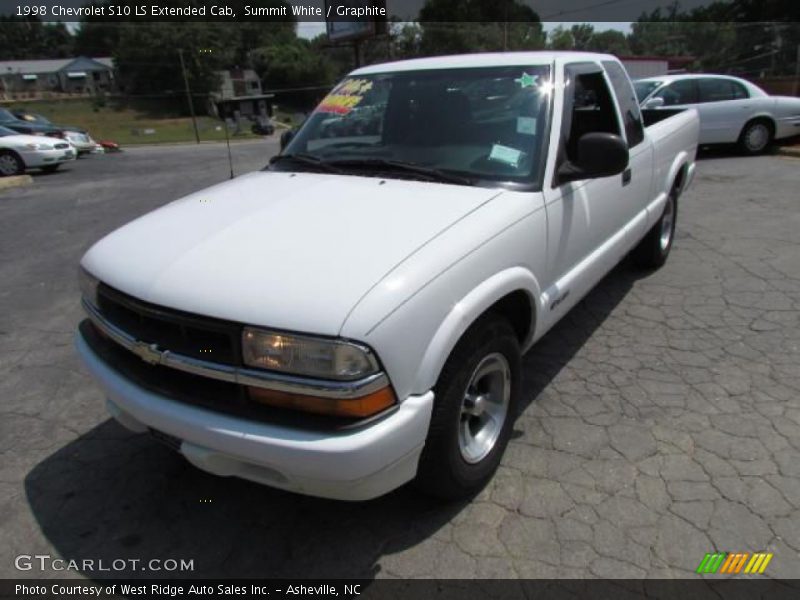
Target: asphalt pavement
column 662, row 416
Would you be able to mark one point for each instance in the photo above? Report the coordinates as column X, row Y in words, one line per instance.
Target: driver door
column 585, row 218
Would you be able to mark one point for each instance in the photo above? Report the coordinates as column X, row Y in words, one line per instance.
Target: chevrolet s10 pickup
column 352, row 317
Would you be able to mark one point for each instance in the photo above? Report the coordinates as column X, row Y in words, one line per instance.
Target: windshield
column 485, row 124
column 644, row 88
column 7, row 116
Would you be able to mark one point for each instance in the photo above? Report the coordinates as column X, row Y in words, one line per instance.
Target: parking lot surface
column 662, row 417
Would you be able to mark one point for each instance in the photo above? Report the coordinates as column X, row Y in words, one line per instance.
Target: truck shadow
column 113, row 496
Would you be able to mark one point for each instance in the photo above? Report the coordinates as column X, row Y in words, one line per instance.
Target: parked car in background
column 8, row 120
column 40, row 119
column 418, row 261
column 262, row 126
column 19, row 152
column 77, row 136
column 732, row 110
column 83, row 142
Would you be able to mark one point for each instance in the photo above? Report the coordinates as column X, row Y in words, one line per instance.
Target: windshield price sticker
column 345, row 96
column 526, row 125
column 504, row 154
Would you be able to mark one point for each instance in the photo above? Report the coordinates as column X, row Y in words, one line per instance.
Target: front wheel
column 476, row 400
column 11, row 163
column 653, row 250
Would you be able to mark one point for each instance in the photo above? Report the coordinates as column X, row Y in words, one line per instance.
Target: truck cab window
column 592, row 110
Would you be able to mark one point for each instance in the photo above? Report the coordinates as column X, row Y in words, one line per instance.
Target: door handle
column 626, row 176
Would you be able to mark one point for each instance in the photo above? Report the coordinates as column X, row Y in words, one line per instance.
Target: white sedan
column 19, row 152
column 81, row 141
column 732, row 110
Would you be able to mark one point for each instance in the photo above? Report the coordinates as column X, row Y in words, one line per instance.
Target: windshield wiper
column 430, row 173
column 306, row 159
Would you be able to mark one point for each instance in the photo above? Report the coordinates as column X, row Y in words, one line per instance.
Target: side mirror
column 599, row 155
column 286, row 137
column 654, row 103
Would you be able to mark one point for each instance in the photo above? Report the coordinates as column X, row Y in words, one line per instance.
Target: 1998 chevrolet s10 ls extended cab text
column 352, row 317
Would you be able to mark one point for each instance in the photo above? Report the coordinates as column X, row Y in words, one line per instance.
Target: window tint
column 683, row 91
column 628, row 104
column 718, row 90
column 592, row 109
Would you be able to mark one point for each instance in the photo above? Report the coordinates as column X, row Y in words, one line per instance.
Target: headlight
column 306, row 356
column 38, row 147
column 88, row 284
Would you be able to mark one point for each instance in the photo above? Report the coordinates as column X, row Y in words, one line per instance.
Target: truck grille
column 203, row 338
column 202, row 392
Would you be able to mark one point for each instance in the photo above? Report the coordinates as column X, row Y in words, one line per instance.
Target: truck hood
column 293, row 251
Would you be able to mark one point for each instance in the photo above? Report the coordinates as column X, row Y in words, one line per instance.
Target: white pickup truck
column 353, row 316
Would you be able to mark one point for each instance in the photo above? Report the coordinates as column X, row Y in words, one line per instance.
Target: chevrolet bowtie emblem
column 149, row 353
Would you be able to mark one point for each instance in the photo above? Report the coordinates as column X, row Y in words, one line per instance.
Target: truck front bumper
column 356, row 464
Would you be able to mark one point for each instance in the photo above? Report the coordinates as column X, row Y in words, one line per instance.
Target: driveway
column 662, row 419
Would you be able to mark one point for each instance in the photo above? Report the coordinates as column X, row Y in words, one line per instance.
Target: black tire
column 50, row 168
column 652, row 252
column 10, row 163
column 444, row 471
column 756, row 137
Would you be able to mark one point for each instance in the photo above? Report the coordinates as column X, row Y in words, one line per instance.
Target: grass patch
column 127, row 124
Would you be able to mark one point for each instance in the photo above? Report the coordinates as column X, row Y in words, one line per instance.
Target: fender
column 466, row 311
column 680, row 161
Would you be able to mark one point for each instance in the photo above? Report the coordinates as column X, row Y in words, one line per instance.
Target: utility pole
column 189, row 96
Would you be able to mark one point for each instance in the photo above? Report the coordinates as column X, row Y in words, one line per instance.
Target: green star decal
column 526, row 80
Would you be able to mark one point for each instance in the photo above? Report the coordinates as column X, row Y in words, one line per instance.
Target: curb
column 15, row 181
column 789, row 151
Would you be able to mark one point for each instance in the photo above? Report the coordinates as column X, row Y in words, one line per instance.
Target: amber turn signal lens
column 365, row 406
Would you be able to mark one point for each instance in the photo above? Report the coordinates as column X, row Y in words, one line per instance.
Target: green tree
column 611, row 41
column 292, row 65
column 582, row 35
column 30, row 38
column 483, row 26
column 560, row 39
column 97, row 38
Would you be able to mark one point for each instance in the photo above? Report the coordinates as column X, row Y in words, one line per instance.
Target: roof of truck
column 487, row 59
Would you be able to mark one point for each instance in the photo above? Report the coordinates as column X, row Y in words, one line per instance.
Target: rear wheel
column 11, row 163
column 755, row 137
column 473, row 415
column 653, row 250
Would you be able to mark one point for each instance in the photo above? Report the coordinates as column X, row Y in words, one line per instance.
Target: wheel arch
column 677, row 174
column 512, row 293
column 765, row 117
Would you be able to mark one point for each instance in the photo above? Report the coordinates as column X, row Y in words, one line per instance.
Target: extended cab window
column 589, row 108
column 628, row 103
column 683, row 91
column 488, row 124
column 720, row 90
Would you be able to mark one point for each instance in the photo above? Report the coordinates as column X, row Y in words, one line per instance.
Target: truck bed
column 651, row 116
